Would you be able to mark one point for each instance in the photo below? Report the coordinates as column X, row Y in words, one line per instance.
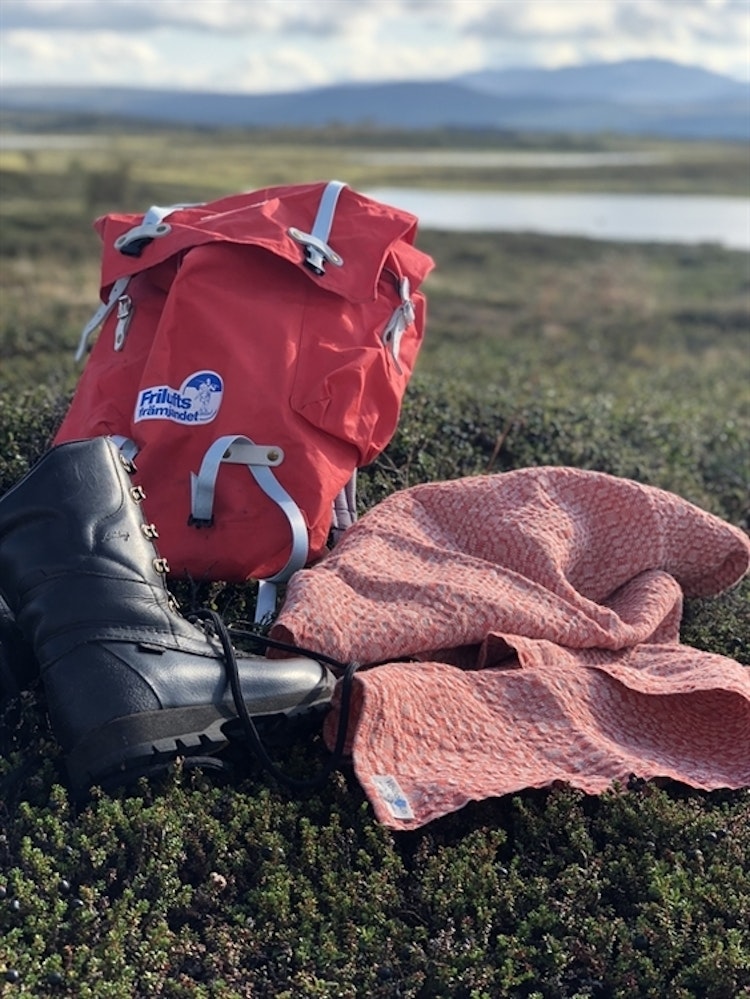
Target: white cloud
column 547, row 18
column 257, row 45
column 285, row 67
column 282, row 68
column 52, row 53
column 712, row 33
column 322, row 17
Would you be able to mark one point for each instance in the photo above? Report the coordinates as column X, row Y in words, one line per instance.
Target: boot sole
column 125, row 749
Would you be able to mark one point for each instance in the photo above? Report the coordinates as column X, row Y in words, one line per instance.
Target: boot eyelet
column 138, row 494
column 161, row 565
column 128, row 465
column 149, row 531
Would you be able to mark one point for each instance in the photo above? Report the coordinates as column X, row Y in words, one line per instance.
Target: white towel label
column 392, row 796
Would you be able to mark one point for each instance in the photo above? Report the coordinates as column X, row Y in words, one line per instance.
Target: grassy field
column 180, row 165
column 629, row 359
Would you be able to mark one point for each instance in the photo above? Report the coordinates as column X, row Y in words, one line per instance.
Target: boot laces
column 346, row 672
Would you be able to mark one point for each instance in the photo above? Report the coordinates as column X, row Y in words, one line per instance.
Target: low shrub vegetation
column 626, row 359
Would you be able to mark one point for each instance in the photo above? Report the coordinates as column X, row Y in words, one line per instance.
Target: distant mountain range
column 646, row 97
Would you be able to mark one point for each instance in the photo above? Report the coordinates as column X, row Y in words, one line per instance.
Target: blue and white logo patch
column 196, row 401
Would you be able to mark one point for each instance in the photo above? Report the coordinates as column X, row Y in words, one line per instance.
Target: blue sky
column 271, row 45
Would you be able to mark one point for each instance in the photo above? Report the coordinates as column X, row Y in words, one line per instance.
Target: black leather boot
column 129, row 682
column 18, row 667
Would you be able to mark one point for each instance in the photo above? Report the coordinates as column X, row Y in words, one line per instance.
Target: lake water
column 643, row 218
column 12, row 142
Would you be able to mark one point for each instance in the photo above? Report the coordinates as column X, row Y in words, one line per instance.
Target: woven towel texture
column 521, row 629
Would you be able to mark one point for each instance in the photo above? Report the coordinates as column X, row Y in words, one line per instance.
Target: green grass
column 629, row 359
column 127, row 168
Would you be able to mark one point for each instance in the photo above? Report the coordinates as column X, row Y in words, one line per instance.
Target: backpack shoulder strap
column 345, row 508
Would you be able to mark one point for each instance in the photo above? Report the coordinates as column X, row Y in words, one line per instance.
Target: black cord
column 275, row 643
column 230, row 662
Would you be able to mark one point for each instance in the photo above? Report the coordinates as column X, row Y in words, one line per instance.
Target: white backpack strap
column 402, row 318
column 234, row 450
column 118, row 290
column 345, row 508
column 317, row 250
column 260, row 459
column 131, row 243
column 128, row 448
column 265, row 601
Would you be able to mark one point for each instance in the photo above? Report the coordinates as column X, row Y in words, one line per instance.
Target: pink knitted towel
column 540, row 610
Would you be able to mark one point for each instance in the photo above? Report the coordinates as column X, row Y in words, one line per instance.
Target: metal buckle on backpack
column 124, row 315
column 317, row 252
column 133, row 242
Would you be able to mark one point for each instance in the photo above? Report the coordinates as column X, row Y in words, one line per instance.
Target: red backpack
column 254, row 352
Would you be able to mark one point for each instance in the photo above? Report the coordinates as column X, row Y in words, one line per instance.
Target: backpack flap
column 277, row 218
